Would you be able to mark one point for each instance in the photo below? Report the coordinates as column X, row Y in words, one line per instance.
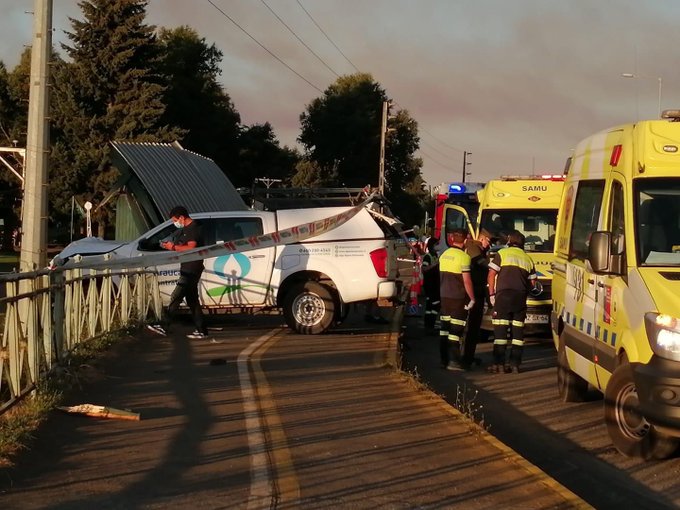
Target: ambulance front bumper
column 658, row 387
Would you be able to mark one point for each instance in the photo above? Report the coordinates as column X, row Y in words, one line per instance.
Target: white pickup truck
column 312, row 281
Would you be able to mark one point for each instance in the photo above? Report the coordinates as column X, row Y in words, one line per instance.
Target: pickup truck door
column 239, row 278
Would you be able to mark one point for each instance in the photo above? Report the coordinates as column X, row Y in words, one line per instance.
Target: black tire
column 309, row 308
column 570, row 386
column 630, row 432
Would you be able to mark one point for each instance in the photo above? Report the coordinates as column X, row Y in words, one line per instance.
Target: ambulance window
column 586, row 216
column 617, row 218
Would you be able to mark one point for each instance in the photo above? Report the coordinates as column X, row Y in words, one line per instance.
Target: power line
column 327, row 37
column 298, row 38
column 420, row 128
column 447, row 167
column 264, row 47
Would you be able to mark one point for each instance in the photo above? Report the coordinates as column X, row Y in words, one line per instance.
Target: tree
column 260, row 155
column 309, row 174
column 195, row 100
column 341, row 131
column 106, row 92
column 14, row 89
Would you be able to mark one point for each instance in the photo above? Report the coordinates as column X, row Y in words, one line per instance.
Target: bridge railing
column 45, row 314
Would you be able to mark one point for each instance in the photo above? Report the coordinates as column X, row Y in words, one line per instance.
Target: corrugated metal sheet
column 174, row 176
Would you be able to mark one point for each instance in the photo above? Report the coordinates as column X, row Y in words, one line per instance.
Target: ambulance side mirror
column 601, row 256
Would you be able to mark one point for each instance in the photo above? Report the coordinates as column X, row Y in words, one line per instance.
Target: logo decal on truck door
column 233, row 268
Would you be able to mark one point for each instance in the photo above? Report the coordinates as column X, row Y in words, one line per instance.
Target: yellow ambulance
column 616, row 282
column 528, row 204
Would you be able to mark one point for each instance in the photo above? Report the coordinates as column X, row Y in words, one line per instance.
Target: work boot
column 496, row 368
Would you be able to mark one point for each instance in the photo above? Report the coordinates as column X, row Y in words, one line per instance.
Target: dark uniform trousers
column 186, row 289
column 510, row 312
column 474, row 325
column 432, row 306
column 453, row 319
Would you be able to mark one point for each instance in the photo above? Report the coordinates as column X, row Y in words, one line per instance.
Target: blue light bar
column 456, row 188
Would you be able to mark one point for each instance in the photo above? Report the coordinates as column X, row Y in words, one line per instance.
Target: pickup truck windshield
column 537, row 225
column 657, row 203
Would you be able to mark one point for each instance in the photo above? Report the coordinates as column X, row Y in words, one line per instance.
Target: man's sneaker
column 157, row 329
column 197, row 335
column 512, row 369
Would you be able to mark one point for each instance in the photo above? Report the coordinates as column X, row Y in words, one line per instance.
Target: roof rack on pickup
column 273, row 199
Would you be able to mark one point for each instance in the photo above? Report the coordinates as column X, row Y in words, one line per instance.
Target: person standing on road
column 189, row 237
column 511, row 276
column 457, row 297
column 479, row 271
column 431, row 285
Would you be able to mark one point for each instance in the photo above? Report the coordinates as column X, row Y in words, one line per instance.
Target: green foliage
column 196, row 102
column 106, row 92
column 309, row 174
column 260, row 155
column 341, row 131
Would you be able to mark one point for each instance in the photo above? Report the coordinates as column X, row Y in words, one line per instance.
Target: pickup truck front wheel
column 309, row 308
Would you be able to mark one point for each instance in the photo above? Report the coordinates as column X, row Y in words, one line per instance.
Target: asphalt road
column 568, row 441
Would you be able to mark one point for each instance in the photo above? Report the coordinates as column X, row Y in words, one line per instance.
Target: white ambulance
column 616, row 282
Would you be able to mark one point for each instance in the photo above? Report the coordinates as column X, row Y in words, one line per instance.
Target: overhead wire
column 282, row 62
column 327, row 36
column 263, row 46
column 299, row 39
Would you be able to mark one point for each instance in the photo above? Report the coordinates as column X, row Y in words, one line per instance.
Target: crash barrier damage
column 46, row 313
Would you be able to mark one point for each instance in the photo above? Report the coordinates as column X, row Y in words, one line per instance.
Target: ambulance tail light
column 379, row 259
column 663, row 332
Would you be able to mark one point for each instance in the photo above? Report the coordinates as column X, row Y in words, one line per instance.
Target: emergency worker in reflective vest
column 457, row 297
column 431, row 284
column 511, row 276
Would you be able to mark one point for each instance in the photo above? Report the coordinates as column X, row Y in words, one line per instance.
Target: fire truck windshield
column 537, row 225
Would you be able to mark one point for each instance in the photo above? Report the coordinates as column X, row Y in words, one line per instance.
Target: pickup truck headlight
column 663, row 332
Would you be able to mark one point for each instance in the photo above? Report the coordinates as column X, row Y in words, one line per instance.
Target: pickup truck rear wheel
column 570, row 386
column 628, row 429
column 309, row 308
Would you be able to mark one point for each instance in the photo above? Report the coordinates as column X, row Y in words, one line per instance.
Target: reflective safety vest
column 515, row 269
column 452, row 264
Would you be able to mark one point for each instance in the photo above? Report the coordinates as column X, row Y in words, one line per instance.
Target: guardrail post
column 58, row 314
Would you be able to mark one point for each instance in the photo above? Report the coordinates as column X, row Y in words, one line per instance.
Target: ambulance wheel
column 628, row 429
column 309, row 308
column 570, row 386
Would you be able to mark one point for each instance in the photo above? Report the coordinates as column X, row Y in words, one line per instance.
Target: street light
column 633, row 75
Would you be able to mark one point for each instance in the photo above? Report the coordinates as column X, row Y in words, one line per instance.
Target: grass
column 19, row 424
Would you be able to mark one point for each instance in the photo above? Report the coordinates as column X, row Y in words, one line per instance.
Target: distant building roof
column 164, row 175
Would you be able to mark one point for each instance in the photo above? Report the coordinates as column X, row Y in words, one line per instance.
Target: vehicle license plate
column 535, row 318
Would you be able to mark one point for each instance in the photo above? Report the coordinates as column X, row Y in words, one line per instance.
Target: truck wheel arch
column 304, row 276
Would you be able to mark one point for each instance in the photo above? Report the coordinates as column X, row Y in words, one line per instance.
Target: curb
column 508, row 453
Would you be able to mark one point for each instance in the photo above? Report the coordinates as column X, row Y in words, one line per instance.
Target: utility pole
column 465, row 163
column 383, row 133
column 34, row 206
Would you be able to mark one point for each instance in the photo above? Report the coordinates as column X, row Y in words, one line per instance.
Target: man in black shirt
column 189, row 237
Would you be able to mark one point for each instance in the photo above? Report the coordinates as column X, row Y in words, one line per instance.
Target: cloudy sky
column 517, row 83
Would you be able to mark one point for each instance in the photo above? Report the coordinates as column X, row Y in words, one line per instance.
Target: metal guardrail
column 48, row 313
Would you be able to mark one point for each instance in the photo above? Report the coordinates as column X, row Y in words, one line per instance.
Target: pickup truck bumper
column 388, row 290
column 658, row 387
